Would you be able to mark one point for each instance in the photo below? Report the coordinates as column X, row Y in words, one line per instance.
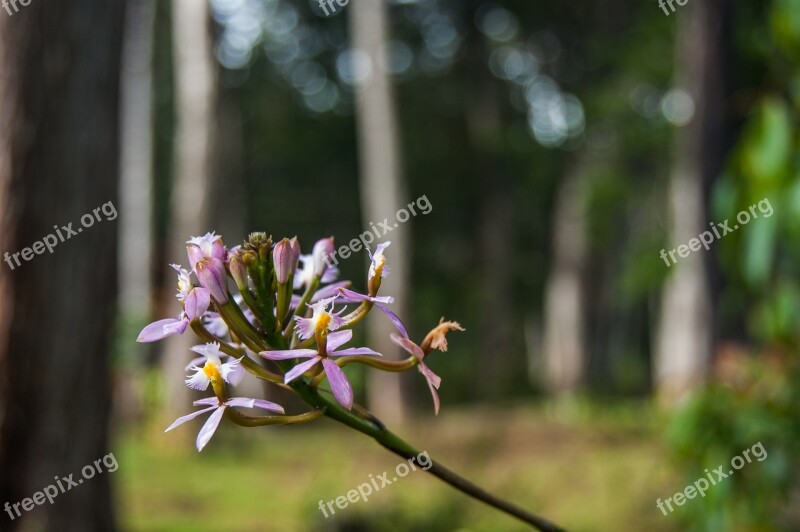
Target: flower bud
column 285, row 259
column 209, row 245
column 238, row 271
column 196, row 303
column 211, row 272
column 322, row 252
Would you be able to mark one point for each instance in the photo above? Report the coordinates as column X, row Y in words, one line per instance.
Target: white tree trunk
column 135, row 246
column 564, row 292
column 195, row 93
column 684, row 336
column 382, row 190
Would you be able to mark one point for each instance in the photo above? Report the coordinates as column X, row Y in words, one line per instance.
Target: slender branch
column 365, row 422
column 467, row 487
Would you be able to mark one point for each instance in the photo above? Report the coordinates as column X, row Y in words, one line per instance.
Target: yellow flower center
column 323, row 321
column 211, row 371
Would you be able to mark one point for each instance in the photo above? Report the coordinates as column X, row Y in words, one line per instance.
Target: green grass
column 585, row 469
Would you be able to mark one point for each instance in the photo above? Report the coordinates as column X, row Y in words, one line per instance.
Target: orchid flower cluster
column 289, row 309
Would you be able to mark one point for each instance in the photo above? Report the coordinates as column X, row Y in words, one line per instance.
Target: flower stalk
column 305, row 335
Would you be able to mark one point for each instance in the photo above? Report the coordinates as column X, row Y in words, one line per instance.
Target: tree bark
column 195, row 92
column 684, row 340
column 564, row 327
column 59, row 155
column 382, row 191
column 136, row 167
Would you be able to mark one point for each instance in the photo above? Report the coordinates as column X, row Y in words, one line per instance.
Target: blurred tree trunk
column 685, row 331
column 564, row 329
column 382, row 192
column 195, row 93
column 136, row 200
column 136, row 168
column 59, row 158
column 495, row 246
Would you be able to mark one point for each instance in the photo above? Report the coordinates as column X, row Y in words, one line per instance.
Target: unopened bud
column 211, row 273
column 196, row 303
column 250, row 259
column 322, row 252
column 238, row 272
column 285, row 260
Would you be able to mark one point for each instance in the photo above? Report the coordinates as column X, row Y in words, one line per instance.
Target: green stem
column 259, row 421
column 253, row 305
column 394, row 366
column 368, row 424
column 236, row 319
column 365, row 422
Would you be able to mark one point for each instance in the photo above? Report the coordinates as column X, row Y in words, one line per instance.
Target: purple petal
column 245, row 402
column 340, row 386
column 211, row 273
column 207, row 401
column 288, row 354
column 268, row 405
column 196, row 303
column 183, row 419
column 432, row 378
column 433, row 384
column 209, row 428
column 195, row 254
column 158, row 330
column 348, row 296
column 435, row 396
column 351, row 351
column 409, row 346
column 394, row 319
column 214, row 323
column 178, row 327
column 329, row 291
column 336, row 321
column 299, row 369
column 330, row 274
column 335, row 339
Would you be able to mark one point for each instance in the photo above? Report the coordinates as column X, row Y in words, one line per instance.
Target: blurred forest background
column 562, row 146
